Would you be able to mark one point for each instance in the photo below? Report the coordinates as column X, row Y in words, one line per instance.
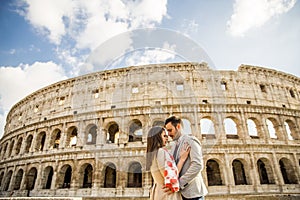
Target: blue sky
column 45, row 41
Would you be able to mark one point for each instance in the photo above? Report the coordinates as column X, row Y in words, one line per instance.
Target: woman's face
column 164, row 138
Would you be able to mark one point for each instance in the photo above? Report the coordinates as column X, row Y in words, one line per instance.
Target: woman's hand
column 184, row 151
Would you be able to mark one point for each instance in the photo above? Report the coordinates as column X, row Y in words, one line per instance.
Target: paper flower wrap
column 171, row 173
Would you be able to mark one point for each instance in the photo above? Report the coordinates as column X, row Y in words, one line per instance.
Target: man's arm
column 194, row 165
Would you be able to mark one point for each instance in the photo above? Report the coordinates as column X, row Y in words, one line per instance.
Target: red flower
column 165, row 173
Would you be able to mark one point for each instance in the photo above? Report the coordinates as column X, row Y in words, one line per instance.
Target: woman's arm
column 184, row 153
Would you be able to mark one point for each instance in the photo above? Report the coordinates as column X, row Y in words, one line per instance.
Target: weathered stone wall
column 85, row 137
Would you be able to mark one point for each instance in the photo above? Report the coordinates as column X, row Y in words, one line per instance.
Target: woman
column 162, row 165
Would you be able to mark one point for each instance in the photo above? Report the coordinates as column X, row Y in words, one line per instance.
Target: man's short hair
column 174, row 120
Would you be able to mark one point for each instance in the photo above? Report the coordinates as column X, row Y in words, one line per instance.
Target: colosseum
column 85, row 137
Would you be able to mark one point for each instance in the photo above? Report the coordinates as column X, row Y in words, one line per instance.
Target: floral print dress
column 164, row 173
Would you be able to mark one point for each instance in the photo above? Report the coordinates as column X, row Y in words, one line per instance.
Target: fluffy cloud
column 89, row 23
column 250, row 14
column 17, row 82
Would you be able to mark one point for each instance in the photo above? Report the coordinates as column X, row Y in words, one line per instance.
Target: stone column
column 63, row 137
column 12, row 179
column 229, row 179
column 277, row 172
column 254, row 172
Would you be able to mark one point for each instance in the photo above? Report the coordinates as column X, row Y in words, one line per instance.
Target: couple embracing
column 176, row 173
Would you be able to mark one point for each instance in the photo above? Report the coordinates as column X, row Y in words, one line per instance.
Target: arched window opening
column 252, row 128
column 271, row 129
column 7, row 180
column 213, row 173
column 134, row 178
column 239, row 173
column 67, row 178
column 4, row 151
column 64, row 177
column 207, row 128
column 291, row 130
column 92, row 135
column 113, row 133
column 287, row 171
column 56, row 138
column 158, row 123
column 262, row 171
column 18, row 179
column 18, row 146
column 230, row 128
column 31, row 178
column 41, row 141
column 186, row 127
column 1, row 178
column 28, row 143
column 88, row 177
column 135, row 131
column 110, row 176
column 73, row 137
column 11, row 148
column 47, row 179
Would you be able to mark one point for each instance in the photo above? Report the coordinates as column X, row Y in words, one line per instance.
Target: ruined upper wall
column 150, row 85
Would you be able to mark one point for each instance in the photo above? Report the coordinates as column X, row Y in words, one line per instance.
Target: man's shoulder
column 190, row 138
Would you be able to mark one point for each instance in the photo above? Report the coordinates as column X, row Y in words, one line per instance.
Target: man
column 191, row 182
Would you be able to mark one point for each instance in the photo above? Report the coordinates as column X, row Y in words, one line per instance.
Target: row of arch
column 65, row 177
column 136, row 131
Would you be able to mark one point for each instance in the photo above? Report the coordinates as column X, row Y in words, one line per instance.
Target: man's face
column 172, row 130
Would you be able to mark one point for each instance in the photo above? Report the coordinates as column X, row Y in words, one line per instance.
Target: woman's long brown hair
column 154, row 142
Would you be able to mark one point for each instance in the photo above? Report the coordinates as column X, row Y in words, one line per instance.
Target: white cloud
column 89, row 23
column 18, row 82
column 189, row 27
column 249, row 14
column 154, row 55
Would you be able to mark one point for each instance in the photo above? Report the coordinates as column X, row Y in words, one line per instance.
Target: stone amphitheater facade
column 86, row 136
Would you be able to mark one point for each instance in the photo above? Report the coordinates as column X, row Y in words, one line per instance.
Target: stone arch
column 40, row 141
column 10, row 149
column 252, row 125
column 55, row 138
column 265, row 171
column 18, row 146
column 207, row 128
column 18, row 179
column 28, row 143
column 65, row 176
column 110, row 175
column 273, row 128
column 135, row 130
column 291, row 130
column 91, row 134
column 1, row 178
column 187, row 126
column 31, row 178
column 287, row 171
column 134, row 175
column 4, row 153
column 158, row 122
column 231, row 127
column 86, row 175
column 214, row 176
column 112, row 132
column 47, row 177
column 7, row 180
column 72, row 136
column 239, row 172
